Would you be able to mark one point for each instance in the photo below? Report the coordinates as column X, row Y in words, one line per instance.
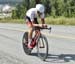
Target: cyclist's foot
column 29, row 44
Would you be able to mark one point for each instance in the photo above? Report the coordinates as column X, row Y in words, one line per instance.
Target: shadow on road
column 62, row 58
column 34, row 54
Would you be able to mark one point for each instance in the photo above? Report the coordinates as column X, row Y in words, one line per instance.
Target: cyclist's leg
column 29, row 24
column 30, row 37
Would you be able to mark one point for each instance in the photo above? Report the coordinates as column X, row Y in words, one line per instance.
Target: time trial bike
column 39, row 41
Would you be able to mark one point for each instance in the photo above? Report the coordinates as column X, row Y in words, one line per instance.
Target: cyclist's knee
column 30, row 30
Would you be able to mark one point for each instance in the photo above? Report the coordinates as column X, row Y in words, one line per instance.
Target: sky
column 9, row 0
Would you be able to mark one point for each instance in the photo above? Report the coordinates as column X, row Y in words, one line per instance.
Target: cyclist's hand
column 44, row 25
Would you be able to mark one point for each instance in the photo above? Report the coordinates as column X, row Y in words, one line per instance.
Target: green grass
column 12, row 21
column 60, row 21
column 49, row 20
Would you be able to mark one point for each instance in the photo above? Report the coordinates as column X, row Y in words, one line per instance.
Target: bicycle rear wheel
column 42, row 47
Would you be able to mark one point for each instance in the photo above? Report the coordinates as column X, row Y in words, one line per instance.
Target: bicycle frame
column 37, row 35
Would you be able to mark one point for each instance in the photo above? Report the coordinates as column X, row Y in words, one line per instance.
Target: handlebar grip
column 49, row 29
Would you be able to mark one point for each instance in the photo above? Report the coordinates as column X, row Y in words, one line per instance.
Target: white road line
column 49, row 35
column 60, row 36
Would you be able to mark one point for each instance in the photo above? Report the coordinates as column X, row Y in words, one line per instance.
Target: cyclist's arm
column 42, row 18
column 32, row 20
column 35, row 25
column 43, row 21
column 40, row 25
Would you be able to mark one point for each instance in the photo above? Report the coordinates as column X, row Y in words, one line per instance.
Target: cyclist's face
column 39, row 13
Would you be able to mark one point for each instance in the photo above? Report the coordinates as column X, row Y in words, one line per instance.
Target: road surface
column 61, row 45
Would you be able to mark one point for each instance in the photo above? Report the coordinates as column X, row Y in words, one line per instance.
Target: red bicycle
column 39, row 40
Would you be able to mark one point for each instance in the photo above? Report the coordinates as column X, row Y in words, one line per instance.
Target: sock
column 29, row 41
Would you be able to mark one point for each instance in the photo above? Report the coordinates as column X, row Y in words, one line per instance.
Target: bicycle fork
column 41, row 42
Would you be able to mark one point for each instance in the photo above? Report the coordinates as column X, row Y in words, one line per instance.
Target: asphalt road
column 61, row 45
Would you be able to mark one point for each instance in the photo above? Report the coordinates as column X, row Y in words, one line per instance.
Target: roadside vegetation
column 60, row 21
column 54, row 8
column 6, row 20
column 58, row 12
column 49, row 20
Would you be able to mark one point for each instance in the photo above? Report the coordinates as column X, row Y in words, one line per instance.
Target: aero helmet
column 40, row 8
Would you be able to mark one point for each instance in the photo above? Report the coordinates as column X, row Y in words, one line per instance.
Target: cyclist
column 31, row 20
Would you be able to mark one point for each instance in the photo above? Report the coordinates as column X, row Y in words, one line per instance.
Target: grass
column 60, row 21
column 49, row 20
column 12, row 21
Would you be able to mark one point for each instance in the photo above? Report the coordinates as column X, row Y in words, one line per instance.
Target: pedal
column 42, row 47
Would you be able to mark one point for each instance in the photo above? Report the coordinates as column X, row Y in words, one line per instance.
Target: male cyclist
column 31, row 20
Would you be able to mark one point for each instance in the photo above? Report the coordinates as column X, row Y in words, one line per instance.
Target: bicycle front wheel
column 42, row 47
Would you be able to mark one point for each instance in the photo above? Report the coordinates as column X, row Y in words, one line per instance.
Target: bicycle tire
column 41, row 55
column 25, row 42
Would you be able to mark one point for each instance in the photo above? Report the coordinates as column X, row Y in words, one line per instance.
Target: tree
column 20, row 9
column 37, row 1
column 52, row 7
